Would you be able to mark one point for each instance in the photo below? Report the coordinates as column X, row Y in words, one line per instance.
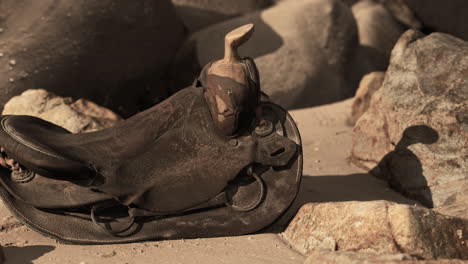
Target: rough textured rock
column 76, row 116
column 86, row 49
column 415, row 132
column 369, row 84
column 443, row 16
column 379, row 227
column 300, row 47
column 438, row 261
column 197, row 14
column 345, row 257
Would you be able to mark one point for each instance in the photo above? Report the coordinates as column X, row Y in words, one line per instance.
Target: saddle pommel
column 232, row 84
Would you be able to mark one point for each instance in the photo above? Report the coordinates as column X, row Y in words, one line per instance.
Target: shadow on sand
column 397, row 178
column 26, row 254
column 338, row 188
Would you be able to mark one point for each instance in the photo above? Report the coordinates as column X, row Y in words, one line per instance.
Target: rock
column 86, row 49
column 198, row 14
column 369, row 84
column 401, row 12
column 378, row 33
column 438, row 261
column 76, row 116
column 415, row 133
column 300, row 47
column 377, row 28
column 348, row 257
column 443, row 16
column 379, row 227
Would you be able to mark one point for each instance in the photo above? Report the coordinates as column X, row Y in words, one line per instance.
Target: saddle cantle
column 211, row 160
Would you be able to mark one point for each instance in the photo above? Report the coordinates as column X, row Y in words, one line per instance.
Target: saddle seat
column 53, row 151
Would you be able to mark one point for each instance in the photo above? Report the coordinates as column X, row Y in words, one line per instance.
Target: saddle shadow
column 26, row 254
column 403, row 170
column 397, row 178
column 338, row 188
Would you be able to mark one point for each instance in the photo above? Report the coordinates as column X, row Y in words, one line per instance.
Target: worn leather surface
column 161, row 162
column 231, row 99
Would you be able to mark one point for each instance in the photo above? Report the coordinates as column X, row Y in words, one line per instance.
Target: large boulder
column 86, row 49
column 415, row 133
column 198, row 14
column 76, row 116
column 301, row 49
column 347, row 257
column 378, row 227
column 350, row 257
column 443, row 16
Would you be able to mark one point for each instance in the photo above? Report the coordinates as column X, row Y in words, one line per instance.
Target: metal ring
column 112, row 232
column 254, row 205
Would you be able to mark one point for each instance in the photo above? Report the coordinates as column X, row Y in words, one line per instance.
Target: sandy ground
column 327, row 177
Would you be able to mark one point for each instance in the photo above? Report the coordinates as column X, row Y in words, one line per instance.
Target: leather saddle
column 211, row 160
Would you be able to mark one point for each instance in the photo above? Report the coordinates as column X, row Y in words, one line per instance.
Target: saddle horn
column 226, row 66
column 231, row 84
column 234, row 40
